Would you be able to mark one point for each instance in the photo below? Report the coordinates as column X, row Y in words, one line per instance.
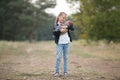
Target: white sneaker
column 56, row 74
column 66, row 74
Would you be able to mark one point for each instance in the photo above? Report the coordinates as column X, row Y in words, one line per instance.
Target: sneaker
column 66, row 74
column 56, row 74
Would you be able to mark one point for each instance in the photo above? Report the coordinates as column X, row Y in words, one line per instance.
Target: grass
column 100, row 50
column 36, row 60
column 80, row 48
column 94, row 49
column 31, row 74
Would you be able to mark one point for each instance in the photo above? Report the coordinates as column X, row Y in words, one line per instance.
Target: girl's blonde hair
column 60, row 14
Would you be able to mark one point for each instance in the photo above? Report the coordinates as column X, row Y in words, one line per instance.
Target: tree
column 99, row 19
column 20, row 18
column 106, row 20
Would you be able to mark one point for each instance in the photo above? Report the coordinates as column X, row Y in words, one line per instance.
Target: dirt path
column 37, row 63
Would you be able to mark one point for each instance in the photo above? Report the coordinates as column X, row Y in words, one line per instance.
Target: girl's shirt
column 64, row 38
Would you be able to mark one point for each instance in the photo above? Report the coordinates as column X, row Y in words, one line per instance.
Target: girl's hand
column 63, row 29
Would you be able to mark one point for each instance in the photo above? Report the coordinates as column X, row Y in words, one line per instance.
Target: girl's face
column 62, row 18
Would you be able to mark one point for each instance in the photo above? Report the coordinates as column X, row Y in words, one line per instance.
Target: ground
column 36, row 61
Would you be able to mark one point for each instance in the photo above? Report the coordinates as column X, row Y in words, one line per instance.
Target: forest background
column 21, row 20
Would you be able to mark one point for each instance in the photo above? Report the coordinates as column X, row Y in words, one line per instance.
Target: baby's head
column 70, row 23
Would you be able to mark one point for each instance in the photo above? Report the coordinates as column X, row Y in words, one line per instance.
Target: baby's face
column 63, row 27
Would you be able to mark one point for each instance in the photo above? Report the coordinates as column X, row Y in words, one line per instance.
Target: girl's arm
column 56, row 30
column 70, row 27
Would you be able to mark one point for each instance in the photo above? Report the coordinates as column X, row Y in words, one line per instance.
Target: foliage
column 20, row 18
column 98, row 19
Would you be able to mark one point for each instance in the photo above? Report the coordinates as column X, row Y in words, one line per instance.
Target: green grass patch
column 84, row 54
column 32, row 74
column 87, row 55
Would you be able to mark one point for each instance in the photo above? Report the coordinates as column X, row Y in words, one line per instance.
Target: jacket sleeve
column 56, row 30
column 70, row 27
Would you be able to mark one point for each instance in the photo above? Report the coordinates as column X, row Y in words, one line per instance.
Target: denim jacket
column 56, row 32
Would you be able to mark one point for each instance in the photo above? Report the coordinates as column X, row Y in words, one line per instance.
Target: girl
column 62, row 39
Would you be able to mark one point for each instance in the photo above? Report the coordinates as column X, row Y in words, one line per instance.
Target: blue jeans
column 62, row 50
